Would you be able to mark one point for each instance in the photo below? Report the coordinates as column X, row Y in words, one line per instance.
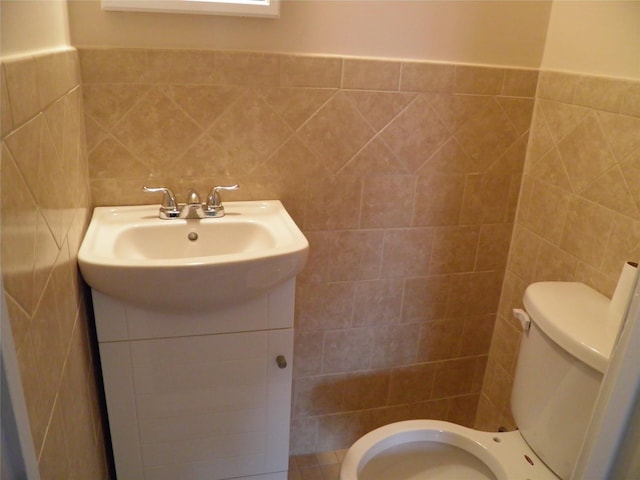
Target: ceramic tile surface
column 403, row 175
column 579, row 215
column 45, row 209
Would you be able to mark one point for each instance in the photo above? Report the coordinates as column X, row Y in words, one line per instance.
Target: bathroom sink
column 130, row 254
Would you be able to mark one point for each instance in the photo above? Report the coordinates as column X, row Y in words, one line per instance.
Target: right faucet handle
column 213, row 199
column 214, row 206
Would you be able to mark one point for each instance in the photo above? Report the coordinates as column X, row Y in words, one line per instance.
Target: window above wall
column 248, row 8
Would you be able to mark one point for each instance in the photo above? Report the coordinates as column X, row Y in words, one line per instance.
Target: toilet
column 565, row 349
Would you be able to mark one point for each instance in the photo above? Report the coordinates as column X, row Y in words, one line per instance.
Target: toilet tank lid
column 574, row 316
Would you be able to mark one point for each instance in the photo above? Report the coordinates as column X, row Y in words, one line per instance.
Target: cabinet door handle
column 281, row 361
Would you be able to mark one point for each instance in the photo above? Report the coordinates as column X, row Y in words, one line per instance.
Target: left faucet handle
column 169, row 206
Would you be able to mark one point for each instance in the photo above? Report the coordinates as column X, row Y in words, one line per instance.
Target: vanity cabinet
column 199, row 396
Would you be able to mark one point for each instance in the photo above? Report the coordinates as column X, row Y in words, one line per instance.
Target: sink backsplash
column 404, row 177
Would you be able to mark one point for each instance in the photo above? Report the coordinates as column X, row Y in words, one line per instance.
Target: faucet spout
column 193, row 208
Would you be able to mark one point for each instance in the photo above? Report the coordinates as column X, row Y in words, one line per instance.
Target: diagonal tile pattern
column 336, row 132
column 249, row 131
column 156, row 130
column 45, row 209
column 296, row 105
column 379, row 108
column 415, row 134
column 585, row 153
column 579, row 213
column 403, row 175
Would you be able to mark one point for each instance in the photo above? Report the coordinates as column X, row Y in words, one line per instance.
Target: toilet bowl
column 565, row 348
column 432, row 449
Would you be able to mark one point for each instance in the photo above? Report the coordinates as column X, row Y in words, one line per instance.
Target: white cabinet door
column 204, row 407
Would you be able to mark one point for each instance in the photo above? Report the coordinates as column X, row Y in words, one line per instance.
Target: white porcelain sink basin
column 191, row 265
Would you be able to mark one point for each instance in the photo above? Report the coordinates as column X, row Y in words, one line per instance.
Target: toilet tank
column 562, row 360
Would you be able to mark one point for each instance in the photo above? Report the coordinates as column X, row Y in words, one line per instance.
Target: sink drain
column 193, row 236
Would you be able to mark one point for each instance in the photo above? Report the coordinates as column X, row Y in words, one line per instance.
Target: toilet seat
column 470, row 454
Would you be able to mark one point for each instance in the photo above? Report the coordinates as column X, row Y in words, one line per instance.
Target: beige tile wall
column 45, row 208
column 404, row 177
column 578, row 218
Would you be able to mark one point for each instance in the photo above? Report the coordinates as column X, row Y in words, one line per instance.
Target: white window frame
column 247, row 8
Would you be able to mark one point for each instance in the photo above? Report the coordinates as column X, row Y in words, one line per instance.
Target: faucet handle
column 169, row 199
column 214, row 204
column 213, row 199
column 169, row 207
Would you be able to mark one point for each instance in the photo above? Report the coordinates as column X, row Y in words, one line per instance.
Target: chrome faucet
column 193, row 208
